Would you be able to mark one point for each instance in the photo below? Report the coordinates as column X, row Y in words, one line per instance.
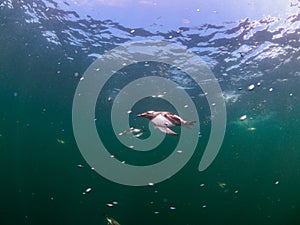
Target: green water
column 42, row 184
column 253, row 180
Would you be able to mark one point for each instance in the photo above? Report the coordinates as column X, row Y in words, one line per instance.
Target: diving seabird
column 164, row 120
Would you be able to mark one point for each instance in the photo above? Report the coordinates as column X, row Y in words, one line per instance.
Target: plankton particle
column 88, row 190
column 242, row 118
column 251, row 87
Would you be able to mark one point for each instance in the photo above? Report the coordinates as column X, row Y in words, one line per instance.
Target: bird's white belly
column 161, row 121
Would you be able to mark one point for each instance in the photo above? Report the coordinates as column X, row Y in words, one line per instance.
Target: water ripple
column 236, row 50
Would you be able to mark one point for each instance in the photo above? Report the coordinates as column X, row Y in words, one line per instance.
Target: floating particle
column 60, row 141
column 243, row 117
column 251, row 128
column 135, row 130
column 160, row 96
column 251, row 87
column 179, row 151
column 109, row 99
column 170, row 36
column 51, row 198
column 198, row 10
column 172, row 208
column 58, row 72
column 81, row 78
column 138, row 135
column 131, row 146
column 186, row 106
column 213, row 104
column 109, row 205
column 258, row 84
column 222, row 184
column 88, row 190
column 204, row 206
column 76, row 74
column 98, row 69
column 115, row 203
column 132, row 31
column 92, row 168
column 123, row 162
column 270, row 89
column 129, row 111
column 236, row 191
column 15, row 94
column 240, row 88
column 112, row 156
column 202, row 185
column 156, row 212
column 150, row 184
column 277, row 182
column 80, row 166
column 291, row 94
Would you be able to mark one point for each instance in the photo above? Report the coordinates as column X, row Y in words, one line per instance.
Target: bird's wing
column 174, row 118
column 162, row 121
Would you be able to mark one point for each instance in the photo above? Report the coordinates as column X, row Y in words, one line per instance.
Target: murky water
column 45, row 48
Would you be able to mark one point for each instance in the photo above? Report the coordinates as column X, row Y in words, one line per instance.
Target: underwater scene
column 150, row 112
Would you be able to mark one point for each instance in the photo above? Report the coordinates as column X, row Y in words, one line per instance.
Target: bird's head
column 148, row 114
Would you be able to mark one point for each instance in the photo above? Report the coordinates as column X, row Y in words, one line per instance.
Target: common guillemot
column 164, row 120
